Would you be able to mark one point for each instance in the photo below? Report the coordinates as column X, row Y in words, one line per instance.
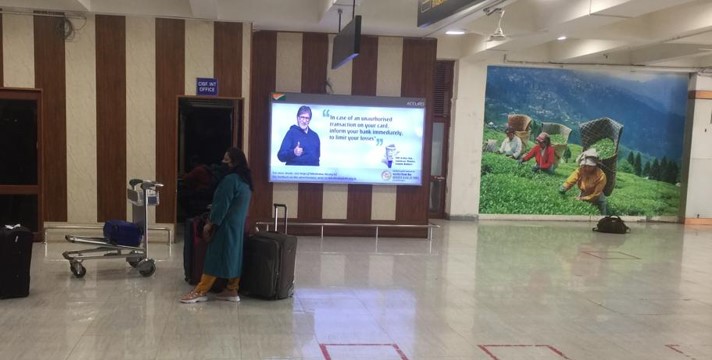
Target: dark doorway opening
column 20, row 156
column 207, row 127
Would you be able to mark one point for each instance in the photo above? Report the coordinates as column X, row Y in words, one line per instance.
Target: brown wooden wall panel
column 228, row 58
column 315, row 57
column 170, row 83
column 2, row 77
column 363, row 82
column 263, row 81
column 111, row 117
column 50, row 77
column 419, row 57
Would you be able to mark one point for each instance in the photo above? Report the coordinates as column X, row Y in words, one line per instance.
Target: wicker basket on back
column 557, row 129
column 598, row 129
column 522, row 127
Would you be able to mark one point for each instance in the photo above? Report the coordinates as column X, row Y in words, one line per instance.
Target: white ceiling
column 658, row 33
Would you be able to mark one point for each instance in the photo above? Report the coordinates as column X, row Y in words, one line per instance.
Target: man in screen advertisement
column 301, row 145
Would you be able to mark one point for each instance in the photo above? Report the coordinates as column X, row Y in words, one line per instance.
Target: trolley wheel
column 133, row 263
column 146, row 267
column 135, row 260
column 77, row 269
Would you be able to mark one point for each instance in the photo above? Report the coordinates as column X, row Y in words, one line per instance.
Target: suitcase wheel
column 146, row 267
column 77, row 269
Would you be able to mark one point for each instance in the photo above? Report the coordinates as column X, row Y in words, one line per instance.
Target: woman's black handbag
column 612, row 225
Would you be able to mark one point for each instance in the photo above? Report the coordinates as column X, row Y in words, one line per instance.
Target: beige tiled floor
column 487, row 290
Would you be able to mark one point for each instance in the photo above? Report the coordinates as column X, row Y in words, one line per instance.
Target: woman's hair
column 238, row 158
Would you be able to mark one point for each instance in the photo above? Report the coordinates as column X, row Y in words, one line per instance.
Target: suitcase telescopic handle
column 276, row 213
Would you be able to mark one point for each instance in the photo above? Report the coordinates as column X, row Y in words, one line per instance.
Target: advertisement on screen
column 339, row 139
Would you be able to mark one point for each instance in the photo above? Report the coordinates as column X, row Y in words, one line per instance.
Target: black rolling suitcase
column 188, row 251
column 268, row 262
column 15, row 258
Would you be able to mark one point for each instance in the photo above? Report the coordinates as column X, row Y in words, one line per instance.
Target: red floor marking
column 675, row 347
column 327, row 356
column 553, row 349
column 606, row 255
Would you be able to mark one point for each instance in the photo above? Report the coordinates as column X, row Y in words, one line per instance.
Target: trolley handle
column 150, row 185
column 134, row 182
column 276, row 213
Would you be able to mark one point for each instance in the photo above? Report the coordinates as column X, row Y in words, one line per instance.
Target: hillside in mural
column 650, row 107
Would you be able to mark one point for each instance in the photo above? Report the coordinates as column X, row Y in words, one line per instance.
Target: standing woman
column 223, row 258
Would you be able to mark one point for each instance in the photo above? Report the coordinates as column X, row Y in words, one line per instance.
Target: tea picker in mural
column 590, row 179
column 511, row 145
column 544, row 154
column 604, row 135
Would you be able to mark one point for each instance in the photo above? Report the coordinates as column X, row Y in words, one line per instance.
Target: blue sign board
column 206, row 86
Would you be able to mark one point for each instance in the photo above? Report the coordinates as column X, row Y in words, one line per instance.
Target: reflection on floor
column 487, row 290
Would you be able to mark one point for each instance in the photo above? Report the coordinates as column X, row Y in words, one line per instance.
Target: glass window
column 436, row 165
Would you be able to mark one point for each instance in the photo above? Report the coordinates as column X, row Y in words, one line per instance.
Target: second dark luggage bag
column 268, row 263
column 194, row 249
column 15, row 259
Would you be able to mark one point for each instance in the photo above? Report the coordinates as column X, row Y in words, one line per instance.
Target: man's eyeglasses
column 302, row 117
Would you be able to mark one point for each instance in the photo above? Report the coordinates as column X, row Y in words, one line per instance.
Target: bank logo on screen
column 278, row 97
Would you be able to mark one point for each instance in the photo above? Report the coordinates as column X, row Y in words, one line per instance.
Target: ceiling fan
column 498, row 34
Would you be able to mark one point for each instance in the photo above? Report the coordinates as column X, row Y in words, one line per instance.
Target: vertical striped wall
column 111, row 116
column 365, row 70
column 110, row 101
column 299, row 62
column 140, row 101
column 2, row 78
column 315, row 52
column 170, row 83
column 264, row 80
column 18, row 38
column 80, row 64
column 110, row 96
column 50, row 77
column 335, row 198
column 411, row 201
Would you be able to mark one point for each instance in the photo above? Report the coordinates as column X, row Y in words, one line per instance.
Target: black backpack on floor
column 612, row 225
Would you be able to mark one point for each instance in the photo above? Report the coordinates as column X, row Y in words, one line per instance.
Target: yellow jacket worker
column 590, row 180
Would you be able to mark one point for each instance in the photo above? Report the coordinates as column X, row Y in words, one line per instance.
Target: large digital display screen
column 339, row 139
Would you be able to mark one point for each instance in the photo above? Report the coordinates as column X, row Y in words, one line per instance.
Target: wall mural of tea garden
column 574, row 142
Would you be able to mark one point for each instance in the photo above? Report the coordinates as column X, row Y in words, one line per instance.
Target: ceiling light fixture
column 455, row 32
column 561, row 38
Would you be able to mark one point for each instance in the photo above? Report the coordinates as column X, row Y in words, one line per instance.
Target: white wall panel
column 141, row 101
column 389, row 75
column 288, row 79
column 699, row 196
column 335, row 198
column 199, row 53
column 80, row 73
column 466, row 138
column 18, row 42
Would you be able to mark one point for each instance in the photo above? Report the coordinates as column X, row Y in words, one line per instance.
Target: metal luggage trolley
column 141, row 194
